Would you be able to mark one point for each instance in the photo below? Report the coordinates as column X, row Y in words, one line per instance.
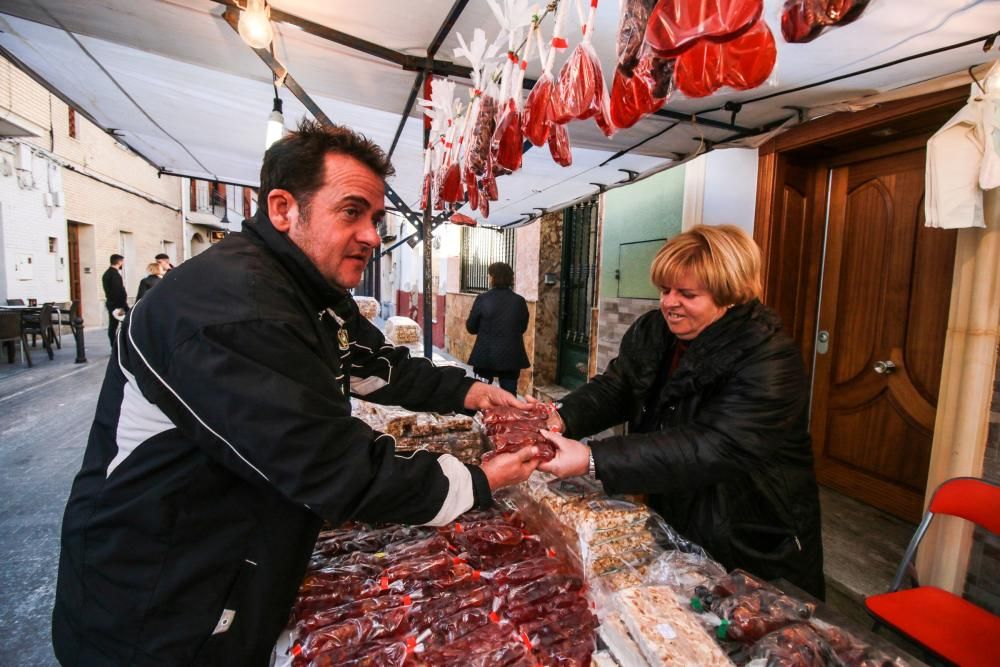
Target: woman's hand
column 506, row 469
column 572, row 456
column 484, row 396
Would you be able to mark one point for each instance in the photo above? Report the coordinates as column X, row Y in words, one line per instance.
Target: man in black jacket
column 224, row 437
column 115, row 296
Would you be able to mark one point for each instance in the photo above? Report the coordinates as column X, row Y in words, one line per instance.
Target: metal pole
column 76, row 324
column 428, row 264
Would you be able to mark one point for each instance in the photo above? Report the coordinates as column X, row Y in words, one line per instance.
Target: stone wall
column 616, row 316
column 982, row 585
column 545, row 354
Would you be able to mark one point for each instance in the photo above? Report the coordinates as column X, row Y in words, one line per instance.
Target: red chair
column 943, row 623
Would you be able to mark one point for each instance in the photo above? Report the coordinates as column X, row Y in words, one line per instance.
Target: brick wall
column 616, row 316
column 982, row 586
column 545, row 354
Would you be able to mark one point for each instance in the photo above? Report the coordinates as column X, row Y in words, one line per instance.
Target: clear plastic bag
column 797, row 645
column 538, row 111
column 683, row 572
column 748, row 617
column 804, row 20
column 677, row 25
column 376, row 654
column 741, row 63
column 352, row 633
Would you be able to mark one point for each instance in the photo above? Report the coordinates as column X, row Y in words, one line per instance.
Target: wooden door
column 73, row 243
column 884, row 304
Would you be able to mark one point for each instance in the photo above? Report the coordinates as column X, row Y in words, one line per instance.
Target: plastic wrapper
column 376, row 654
column 741, row 63
column 573, row 651
column 748, row 617
column 616, row 637
column 631, row 31
column 400, row 330
column 850, row 650
column 516, row 439
column 797, row 645
column 683, row 572
column 665, row 631
column 533, row 592
column 509, row 414
column 559, row 146
column 368, row 306
column 489, row 645
column 352, row 632
column 523, row 571
column 467, row 446
column 538, row 111
column 357, row 609
column 508, row 139
column 676, row 25
column 576, row 91
column 737, row 582
column 804, row 20
column 477, row 156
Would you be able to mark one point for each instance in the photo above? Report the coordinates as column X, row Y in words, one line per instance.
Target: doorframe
column 943, row 559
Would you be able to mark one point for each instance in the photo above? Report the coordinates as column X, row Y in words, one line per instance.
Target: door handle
column 884, row 367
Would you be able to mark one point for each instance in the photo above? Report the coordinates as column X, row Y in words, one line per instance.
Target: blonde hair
column 154, row 268
column 723, row 259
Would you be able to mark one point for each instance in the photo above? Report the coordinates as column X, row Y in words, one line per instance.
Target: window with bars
column 480, row 248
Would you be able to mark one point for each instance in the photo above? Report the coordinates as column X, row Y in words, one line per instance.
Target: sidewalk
column 45, row 415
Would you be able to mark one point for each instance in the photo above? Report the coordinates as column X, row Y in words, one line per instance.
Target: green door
column 576, row 297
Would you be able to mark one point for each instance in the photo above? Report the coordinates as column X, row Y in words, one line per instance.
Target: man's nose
column 370, row 236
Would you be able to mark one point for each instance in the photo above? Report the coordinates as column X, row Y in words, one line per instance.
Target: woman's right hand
column 572, row 457
column 554, row 422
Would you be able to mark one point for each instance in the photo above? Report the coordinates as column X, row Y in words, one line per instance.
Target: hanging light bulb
column 255, row 24
column 275, row 123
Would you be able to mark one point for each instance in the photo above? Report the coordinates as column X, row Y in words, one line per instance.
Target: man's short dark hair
column 162, row 255
column 116, row 258
column 296, row 162
column 501, row 274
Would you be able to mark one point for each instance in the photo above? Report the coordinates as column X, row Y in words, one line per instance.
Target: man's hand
column 572, row 456
column 483, row 396
column 506, row 469
column 554, row 422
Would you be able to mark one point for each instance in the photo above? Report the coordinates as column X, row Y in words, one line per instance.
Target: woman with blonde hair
column 154, row 271
column 716, row 402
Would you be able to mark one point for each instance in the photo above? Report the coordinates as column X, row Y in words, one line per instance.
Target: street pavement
column 45, row 415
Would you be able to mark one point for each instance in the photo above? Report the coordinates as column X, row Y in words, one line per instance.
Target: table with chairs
column 18, row 321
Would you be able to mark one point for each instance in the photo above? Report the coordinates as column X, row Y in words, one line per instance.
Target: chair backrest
column 970, row 498
column 15, row 302
column 10, row 325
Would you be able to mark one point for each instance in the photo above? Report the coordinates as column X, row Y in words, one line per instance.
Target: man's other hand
column 506, row 469
column 483, row 396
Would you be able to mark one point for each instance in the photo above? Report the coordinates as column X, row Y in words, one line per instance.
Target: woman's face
column 688, row 307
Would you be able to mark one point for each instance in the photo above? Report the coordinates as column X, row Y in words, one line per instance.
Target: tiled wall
column 982, row 586
column 616, row 316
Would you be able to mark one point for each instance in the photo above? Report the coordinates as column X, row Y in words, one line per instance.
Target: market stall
column 557, row 574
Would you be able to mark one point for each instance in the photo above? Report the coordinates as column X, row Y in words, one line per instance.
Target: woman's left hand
column 572, row 456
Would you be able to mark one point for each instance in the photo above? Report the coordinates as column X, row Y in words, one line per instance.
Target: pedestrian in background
column 164, row 260
column 155, row 273
column 499, row 319
column 115, row 296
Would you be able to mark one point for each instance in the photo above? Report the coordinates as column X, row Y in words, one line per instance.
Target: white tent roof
column 178, row 85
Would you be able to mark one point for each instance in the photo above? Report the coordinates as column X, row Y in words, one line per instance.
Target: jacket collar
column 720, row 346
column 320, row 293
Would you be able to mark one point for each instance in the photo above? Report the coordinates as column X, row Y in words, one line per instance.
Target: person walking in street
column 115, row 296
column 154, row 271
column 223, row 436
column 163, row 259
column 499, row 319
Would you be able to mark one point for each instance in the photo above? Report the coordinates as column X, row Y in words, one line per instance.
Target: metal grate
column 480, row 248
column 579, row 267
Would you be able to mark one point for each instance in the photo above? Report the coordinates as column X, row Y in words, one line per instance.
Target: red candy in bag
column 677, row 25
column 743, row 63
column 803, row 20
column 538, row 111
column 508, row 141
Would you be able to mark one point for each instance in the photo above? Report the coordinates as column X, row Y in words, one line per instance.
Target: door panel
column 885, row 296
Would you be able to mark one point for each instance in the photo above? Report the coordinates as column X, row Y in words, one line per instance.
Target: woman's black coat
column 722, row 445
column 499, row 319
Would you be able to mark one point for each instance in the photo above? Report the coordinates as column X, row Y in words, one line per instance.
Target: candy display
column 512, row 429
column 368, row 306
column 400, row 330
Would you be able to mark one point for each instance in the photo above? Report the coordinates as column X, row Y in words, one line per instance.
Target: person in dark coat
column 717, row 406
column 155, row 273
column 115, row 296
column 499, row 319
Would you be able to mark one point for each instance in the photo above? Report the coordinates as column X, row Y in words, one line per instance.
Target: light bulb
column 275, row 125
column 255, row 24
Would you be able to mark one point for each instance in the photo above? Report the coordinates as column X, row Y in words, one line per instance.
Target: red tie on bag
column 677, row 25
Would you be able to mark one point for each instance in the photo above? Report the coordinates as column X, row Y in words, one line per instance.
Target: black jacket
column 722, row 444
column 114, row 289
column 146, row 284
column 499, row 319
column 223, row 437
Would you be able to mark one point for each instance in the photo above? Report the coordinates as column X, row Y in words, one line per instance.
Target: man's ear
column 282, row 209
